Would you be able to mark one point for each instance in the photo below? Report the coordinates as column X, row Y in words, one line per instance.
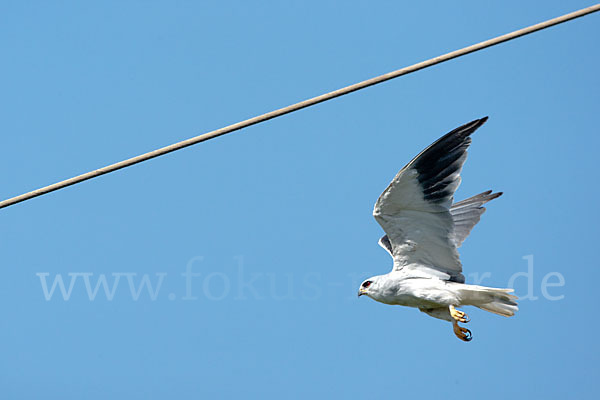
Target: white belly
column 419, row 292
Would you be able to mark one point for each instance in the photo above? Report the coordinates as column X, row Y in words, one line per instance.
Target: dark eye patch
column 367, row 284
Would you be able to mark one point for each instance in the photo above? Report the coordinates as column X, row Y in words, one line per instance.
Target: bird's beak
column 361, row 291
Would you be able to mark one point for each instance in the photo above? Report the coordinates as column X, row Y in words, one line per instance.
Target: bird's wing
column 466, row 214
column 385, row 243
column 414, row 210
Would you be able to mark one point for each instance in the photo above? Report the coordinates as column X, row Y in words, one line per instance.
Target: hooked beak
column 361, row 291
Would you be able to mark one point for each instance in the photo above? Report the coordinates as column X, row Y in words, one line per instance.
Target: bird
column 424, row 228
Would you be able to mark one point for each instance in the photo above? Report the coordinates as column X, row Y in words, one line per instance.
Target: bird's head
column 369, row 287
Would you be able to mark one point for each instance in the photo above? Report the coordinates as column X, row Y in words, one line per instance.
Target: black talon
column 469, row 336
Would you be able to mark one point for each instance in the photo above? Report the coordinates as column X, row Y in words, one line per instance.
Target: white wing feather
column 465, row 215
column 415, row 209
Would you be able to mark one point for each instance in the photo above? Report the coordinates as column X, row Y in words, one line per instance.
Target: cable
column 300, row 105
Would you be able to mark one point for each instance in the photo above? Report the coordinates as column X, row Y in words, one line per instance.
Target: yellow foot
column 462, row 333
column 458, row 315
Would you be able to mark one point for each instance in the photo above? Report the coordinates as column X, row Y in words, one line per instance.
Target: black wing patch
column 386, row 244
column 438, row 163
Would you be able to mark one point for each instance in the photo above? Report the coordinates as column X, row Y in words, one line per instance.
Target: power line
column 300, row 105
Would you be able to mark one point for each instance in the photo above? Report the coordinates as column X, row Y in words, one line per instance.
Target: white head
column 370, row 287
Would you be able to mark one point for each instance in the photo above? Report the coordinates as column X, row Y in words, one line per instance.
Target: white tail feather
column 497, row 301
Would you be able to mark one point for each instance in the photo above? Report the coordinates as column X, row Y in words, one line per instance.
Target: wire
column 300, row 105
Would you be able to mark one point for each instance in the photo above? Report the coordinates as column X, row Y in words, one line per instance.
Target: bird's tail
column 497, row 301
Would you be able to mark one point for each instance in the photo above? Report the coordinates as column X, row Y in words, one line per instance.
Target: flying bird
column 424, row 228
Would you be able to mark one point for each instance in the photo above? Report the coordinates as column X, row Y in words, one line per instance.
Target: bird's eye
column 367, row 284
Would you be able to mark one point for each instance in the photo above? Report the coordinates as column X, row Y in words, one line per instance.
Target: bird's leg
column 458, row 315
column 462, row 333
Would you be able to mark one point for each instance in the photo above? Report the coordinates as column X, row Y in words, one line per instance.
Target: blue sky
column 276, row 219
